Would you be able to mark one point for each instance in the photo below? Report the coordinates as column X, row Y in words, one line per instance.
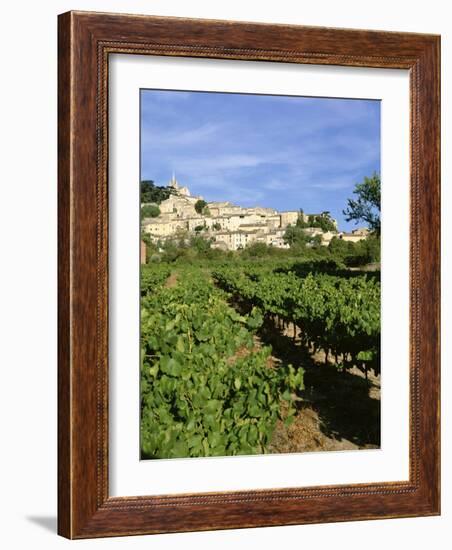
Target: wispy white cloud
column 180, row 138
column 210, row 165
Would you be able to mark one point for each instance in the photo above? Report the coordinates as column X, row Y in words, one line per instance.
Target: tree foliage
column 367, row 205
column 356, row 254
column 323, row 221
column 257, row 250
column 298, row 238
column 151, row 248
column 150, row 211
column 294, row 236
column 200, row 244
column 200, row 206
column 337, row 314
column 153, row 193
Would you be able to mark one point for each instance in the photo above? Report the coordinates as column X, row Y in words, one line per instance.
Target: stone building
column 355, row 236
column 179, row 190
column 289, row 218
column 229, row 226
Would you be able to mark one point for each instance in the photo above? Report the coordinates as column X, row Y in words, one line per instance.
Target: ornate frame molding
column 85, row 42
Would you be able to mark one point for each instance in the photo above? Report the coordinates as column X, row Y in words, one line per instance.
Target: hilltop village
column 232, row 227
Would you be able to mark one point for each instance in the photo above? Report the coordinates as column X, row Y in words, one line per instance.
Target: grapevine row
column 336, row 314
column 206, row 390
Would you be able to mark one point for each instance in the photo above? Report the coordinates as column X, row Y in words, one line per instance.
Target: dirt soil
column 337, row 410
column 172, row 280
column 305, row 435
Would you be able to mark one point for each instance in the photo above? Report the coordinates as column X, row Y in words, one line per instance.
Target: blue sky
column 278, row 151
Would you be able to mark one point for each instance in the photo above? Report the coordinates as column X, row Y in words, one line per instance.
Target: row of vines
column 337, row 314
column 206, row 388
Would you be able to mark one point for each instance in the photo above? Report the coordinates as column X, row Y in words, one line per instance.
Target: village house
column 355, row 236
column 229, row 226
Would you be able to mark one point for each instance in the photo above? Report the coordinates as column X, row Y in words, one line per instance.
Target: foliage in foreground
column 153, row 277
column 337, row 314
column 205, row 389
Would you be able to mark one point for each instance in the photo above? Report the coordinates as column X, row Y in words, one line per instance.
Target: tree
column 150, row 211
column 296, row 237
column 339, row 248
column 369, row 249
column 200, row 206
column 152, row 193
column 356, row 254
column 200, row 244
column 315, row 241
column 257, row 250
column 151, row 248
column 171, row 251
column 300, row 221
column 367, row 205
column 324, row 222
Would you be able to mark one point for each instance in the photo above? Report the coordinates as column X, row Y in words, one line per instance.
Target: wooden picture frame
column 86, row 40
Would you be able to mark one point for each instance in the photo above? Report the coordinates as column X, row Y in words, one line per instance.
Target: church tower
column 174, row 184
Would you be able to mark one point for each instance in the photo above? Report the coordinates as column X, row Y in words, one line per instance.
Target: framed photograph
column 248, row 275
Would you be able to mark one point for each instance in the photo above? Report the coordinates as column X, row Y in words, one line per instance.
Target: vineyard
column 230, row 354
column 205, row 390
column 335, row 314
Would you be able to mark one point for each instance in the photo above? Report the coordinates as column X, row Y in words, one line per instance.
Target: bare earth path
column 337, row 411
column 172, row 280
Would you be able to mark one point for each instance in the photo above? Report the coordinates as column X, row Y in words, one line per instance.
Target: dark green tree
column 150, row 211
column 153, row 193
column 200, row 206
column 257, row 250
column 294, row 236
column 315, row 241
column 339, row 248
column 369, row 249
column 200, row 244
column 366, row 207
column 324, row 222
column 300, row 221
column 298, row 238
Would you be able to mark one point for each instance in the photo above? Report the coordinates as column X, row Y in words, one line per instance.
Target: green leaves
column 255, row 319
column 152, row 277
column 206, row 390
column 170, row 366
column 153, row 370
column 336, row 313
